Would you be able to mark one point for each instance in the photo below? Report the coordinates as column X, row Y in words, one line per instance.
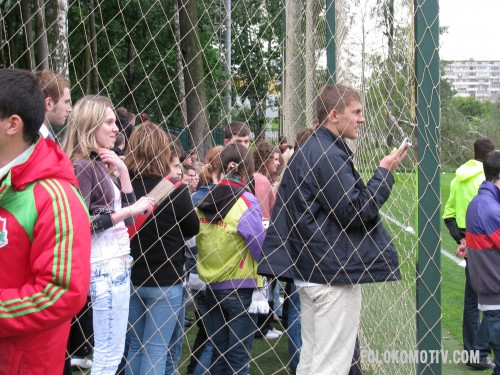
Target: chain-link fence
column 195, row 66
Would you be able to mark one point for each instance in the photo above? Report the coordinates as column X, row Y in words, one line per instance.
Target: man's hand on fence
column 392, row 161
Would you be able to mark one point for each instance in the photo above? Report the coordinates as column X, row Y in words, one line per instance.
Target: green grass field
column 389, row 309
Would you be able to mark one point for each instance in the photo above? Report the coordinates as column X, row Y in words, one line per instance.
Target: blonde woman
column 111, row 203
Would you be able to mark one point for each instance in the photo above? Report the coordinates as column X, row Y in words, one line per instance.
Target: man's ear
column 226, row 141
column 333, row 115
column 49, row 104
column 16, row 125
column 473, row 155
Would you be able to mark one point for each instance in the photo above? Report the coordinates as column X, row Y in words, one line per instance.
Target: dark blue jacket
column 483, row 243
column 325, row 226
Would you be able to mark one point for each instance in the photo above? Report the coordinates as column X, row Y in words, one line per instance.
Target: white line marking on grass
column 452, row 257
column 410, row 230
column 407, row 229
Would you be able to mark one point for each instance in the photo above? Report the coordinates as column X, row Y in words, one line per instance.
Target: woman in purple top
column 105, row 186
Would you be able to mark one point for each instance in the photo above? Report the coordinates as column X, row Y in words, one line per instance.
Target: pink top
column 265, row 195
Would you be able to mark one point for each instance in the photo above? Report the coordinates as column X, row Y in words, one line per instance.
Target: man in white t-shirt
column 55, row 88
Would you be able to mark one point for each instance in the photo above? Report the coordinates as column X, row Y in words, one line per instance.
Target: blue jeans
column 110, row 293
column 475, row 332
column 232, row 330
column 293, row 324
column 152, row 319
column 201, row 353
column 175, row 346
column 277, row 308
column 492, row 319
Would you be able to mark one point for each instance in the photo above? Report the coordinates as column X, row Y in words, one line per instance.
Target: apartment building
column 479, row 79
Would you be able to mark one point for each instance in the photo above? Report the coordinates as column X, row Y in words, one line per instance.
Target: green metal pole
column 283, row 62
column 331, row 61
column 429, row 221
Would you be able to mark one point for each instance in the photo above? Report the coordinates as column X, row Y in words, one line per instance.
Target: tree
column 2, row 38
column 310, row 77
column 29, row 53
column 292, row 107
column 388, row 10
column 384, row 11
column 256, row 56
column 463, row 120
column 115, row 50
column 473, row 110
column 12, row 35
column 56, row 16
column 41, row 41
column 94, row 57
column 180, row 66
column 193, row 77
column 389, row 92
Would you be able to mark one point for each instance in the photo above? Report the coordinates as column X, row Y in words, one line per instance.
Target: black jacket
column 325, row 226
column 158, row 248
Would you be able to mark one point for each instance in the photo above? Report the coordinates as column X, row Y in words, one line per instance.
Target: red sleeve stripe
column 479, row 241
column 61, row 267
column 495, row 238
column 245, row 199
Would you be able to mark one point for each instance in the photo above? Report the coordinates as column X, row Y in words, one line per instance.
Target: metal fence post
column 429, row 240
column 331, row 61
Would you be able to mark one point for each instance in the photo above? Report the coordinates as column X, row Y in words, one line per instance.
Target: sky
column 473, row 29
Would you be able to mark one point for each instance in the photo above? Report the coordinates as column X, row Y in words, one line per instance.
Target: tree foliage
column 256, row 55
column 472, row 109
column 463, row 120
column 124, row 49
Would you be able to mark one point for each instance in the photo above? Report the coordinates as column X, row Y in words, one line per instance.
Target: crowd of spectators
column 216, row 231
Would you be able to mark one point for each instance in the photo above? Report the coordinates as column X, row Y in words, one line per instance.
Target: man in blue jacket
column 483, row 249
column 464, row 187
column 327, row 235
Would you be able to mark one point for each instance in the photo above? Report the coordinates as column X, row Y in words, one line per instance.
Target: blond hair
column 149, row 151
column 83, row 122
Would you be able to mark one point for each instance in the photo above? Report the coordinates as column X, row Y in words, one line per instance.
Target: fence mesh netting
column 193, row 67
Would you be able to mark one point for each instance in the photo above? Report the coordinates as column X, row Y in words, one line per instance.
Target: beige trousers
column 330, row 320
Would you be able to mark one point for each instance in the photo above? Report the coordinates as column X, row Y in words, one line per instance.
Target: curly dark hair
column 264, row 152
